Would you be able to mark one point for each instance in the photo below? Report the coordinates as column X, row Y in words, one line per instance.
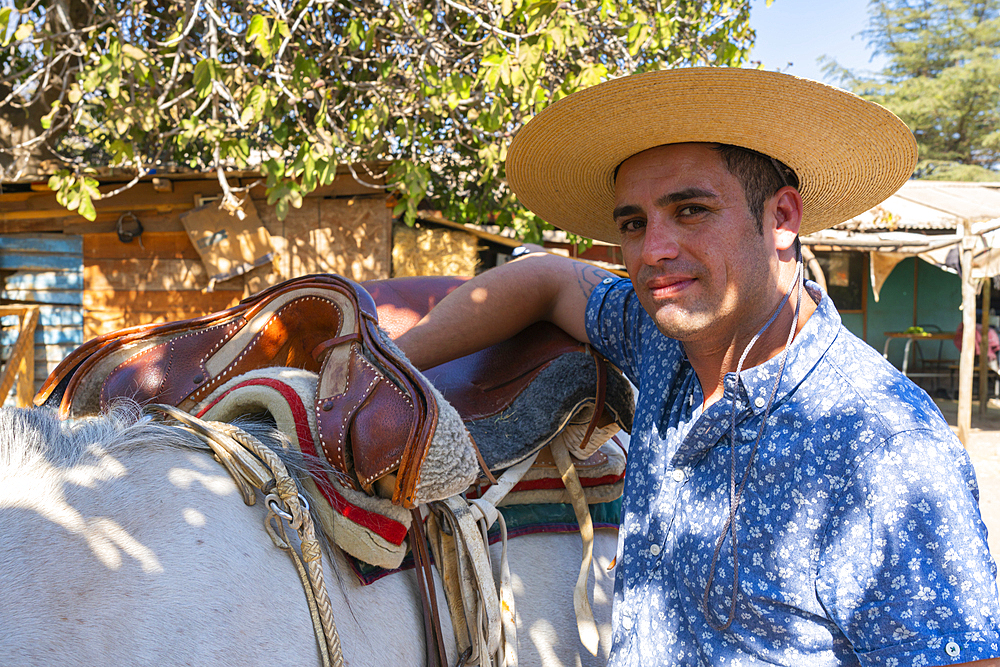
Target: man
column 790, row 498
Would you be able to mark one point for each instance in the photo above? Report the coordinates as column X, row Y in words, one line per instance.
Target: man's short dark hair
column 761, row 176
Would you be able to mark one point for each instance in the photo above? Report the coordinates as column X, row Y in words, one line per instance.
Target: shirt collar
column 808, row 347
column 756, row 383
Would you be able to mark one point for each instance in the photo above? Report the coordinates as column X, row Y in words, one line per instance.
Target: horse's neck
column 154, row 555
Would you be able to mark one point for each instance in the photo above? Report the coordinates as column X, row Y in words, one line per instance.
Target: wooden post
column 21, row 363
column 984, row 348
column 815, row 270
column 966, row 359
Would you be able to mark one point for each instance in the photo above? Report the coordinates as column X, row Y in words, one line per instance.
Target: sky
column 800, row 31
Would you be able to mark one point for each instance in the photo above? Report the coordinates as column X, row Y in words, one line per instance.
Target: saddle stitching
column 367, row 394
column 347, row 414
column 149, row 349
column 219, row 343
column 214, row 382
column 384, row 376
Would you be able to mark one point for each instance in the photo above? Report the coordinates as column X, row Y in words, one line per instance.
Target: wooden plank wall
column 349, row 236
column 343, row 228
column 158, row 280
column 46, row 270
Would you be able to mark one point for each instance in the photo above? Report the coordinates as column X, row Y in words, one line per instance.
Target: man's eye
column 691, row 209
column 631, row 225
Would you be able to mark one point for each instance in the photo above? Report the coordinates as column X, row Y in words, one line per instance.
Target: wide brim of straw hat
column 849, row 154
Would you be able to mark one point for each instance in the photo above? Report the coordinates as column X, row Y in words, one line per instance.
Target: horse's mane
column 35, row 435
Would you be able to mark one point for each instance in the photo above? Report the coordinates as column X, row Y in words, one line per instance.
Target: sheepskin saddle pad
column 371, row 528
column 377, row 417
column 516, row 396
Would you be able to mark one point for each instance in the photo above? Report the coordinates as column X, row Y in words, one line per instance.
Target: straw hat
column 849, row 154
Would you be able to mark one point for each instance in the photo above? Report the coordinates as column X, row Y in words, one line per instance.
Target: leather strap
column 482, row 461
column 319, row 350
column 434, row 640
column 602, row 385
column 584, row 614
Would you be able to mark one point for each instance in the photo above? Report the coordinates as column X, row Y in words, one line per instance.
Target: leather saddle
column 376, row 415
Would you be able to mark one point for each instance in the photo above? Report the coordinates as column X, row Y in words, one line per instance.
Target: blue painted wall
column 939, row 295
column 49, row 273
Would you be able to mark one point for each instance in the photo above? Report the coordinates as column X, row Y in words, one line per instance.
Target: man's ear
column 786, row 207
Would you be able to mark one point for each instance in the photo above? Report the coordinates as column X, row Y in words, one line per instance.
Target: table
column 910, row 337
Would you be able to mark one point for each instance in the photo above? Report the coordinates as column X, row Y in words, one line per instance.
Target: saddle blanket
column 521, row 520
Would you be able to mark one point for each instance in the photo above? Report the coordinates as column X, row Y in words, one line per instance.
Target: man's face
column 691, row 247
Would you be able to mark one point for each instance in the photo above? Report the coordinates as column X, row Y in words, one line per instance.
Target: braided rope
column 310, row 546
column 251, row 463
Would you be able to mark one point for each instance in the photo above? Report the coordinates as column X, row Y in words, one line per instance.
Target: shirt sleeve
column 615, row 320
column 904, row 568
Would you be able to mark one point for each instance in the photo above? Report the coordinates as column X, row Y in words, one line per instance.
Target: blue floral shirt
column 859, row 534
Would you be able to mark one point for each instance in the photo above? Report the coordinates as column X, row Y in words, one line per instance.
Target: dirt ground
column 984, row 450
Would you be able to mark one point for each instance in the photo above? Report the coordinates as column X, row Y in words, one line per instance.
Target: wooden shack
column 90, row 278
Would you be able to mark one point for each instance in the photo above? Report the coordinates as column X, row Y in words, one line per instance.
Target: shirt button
column 952, row 649
column 759, row 401
column 608, row 281
column 678, row 474
column 627, row 623
column 655, row 550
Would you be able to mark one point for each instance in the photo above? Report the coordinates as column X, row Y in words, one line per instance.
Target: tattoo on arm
column 589, row 277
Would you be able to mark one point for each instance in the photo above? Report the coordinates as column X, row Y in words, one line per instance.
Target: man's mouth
column 666, row 287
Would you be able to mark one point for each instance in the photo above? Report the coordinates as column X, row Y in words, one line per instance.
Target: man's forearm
column 501, row 302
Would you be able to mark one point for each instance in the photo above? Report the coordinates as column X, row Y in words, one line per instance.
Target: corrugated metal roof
column 931, row 205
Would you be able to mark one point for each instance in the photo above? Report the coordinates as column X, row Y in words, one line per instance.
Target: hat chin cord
column 736, row 493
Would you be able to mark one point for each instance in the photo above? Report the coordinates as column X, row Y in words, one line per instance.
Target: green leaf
column 281, row 131
column 122, row 151
column 355, row 33
column 255, row 101
column 46, row 120
column 205, row 72
column 258, row 34
column 273, row 170
column 86, row 208
column 133, row 54
column 71, row 197
column 281, row 28
column 113, row 86
column 57, row 180
column 494, row 59
column 326, row 171
column 309, row 176
column 5, row 24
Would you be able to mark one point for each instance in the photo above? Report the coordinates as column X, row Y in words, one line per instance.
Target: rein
column 255, row 467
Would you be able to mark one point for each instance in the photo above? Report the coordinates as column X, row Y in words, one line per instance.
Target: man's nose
column 659, row 243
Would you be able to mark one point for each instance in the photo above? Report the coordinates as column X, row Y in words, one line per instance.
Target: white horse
column 121, row 543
